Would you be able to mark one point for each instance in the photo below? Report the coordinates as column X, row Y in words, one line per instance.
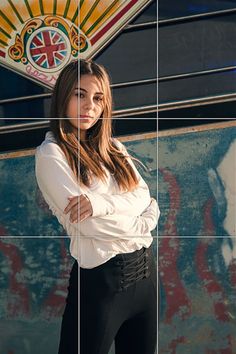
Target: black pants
column 118, row 301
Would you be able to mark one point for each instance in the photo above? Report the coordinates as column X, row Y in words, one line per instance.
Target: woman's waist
column 124, row 269
column 91, row 252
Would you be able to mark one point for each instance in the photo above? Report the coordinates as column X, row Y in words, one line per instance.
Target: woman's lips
column 84, row 119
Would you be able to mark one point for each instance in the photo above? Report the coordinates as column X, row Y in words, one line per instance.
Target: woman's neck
column 82, row 134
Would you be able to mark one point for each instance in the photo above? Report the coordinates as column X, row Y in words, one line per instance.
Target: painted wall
column 197, row 252
column 197, row 263
column 34, row 258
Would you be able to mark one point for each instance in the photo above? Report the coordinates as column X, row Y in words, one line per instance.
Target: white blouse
column 121, row 221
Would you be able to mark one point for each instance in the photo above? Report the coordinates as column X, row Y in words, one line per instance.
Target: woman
column 105, row 207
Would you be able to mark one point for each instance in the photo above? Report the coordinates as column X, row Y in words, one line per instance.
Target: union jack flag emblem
column 48, row 49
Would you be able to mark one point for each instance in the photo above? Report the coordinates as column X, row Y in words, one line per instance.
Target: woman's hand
column 79, row 207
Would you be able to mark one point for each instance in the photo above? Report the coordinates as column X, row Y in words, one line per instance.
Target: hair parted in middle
column 87, row 157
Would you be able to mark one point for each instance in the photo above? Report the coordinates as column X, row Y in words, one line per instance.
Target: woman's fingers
column 85, row 212
column 74, row 215
column 79, row 214
column 85, row 207
column 73, row 202
column 79, row 207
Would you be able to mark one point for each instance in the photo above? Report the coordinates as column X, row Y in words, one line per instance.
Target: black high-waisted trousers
column 118, row 301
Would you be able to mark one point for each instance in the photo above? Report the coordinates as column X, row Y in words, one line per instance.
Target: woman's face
column 90, row 105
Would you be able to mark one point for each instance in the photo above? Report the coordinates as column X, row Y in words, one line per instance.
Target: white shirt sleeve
column 56, row 182
column 122, row 226
column 130, row 203
column 151, row 215
column 147, row 221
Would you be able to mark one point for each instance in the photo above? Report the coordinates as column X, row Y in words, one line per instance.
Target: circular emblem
column 48, row 49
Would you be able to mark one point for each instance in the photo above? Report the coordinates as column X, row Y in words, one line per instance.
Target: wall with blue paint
column 197, row 240
column 34, row 257
column 197, row 264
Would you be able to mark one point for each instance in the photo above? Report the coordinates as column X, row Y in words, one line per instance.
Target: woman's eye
column 81, row 95
column 98, row 98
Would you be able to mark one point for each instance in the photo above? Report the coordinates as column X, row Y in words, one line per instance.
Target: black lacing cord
column 131, row 265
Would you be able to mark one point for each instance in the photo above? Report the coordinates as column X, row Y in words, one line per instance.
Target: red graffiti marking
column 229, row 349
column 19, row 303
column 19, row 299
column 176, row 297
column 173, row 344
column 232, row 273
column 3, row 231
column 222, row 351
column 210, row 282
column 54, row 304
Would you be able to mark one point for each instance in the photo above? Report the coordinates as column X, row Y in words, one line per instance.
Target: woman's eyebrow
column 96, row 93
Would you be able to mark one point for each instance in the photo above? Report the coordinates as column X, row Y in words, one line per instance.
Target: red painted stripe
column 229, row 349
column 113, row 21
column 176, row 296
column 54, row 304
column 210, row 282
column 21, row 294
column 58, row 56
column 2, row 54
column 37, row 41
column 232, row 273
column 55, row 38
column 173, row 344
column 3, row 231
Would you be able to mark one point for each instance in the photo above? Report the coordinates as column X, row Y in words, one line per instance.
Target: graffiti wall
column 196, row 246
column 197, row 254
column 34, row 254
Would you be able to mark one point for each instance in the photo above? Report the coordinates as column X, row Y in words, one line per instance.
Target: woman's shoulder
column 49, row 147
column 118, row 144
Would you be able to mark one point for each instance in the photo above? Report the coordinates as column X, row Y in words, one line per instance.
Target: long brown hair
column 98, row 149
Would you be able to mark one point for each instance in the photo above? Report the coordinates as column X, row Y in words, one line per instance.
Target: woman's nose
column 89, row 103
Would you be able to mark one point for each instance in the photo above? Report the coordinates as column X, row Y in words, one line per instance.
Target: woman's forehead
column 90, row 82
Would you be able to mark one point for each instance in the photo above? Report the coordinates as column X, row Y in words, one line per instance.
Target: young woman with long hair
column 92, row 186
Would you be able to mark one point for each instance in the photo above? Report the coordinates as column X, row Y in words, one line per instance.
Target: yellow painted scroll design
column 17, row 50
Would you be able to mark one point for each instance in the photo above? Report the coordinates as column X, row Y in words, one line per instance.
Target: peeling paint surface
column 196, row 249
column 34, row 256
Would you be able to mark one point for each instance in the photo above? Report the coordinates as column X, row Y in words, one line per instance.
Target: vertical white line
column 157, row 252
column 78, row 250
